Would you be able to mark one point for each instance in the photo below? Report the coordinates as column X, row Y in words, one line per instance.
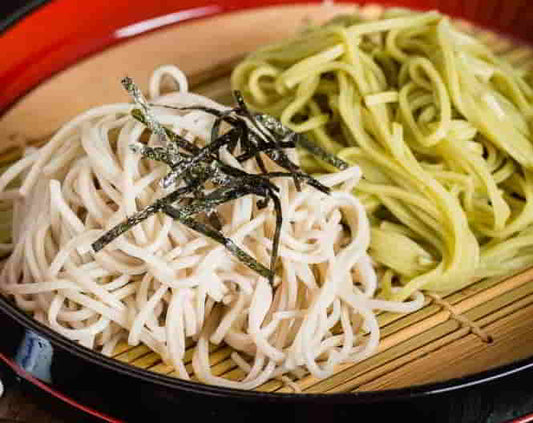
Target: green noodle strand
column 440, row 126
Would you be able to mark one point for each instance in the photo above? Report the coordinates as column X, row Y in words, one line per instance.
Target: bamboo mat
column 485, row 325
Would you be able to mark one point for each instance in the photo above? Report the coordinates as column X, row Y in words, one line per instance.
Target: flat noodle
column 440, row 126
column 162, row 284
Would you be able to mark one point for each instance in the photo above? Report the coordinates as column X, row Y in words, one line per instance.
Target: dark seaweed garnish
column 151, row 122
column 192, row 167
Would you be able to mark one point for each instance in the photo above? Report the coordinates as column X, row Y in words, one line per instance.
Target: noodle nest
column 169, row 287
column 439, row 125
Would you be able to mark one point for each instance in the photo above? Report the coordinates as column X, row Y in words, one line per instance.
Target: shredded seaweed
column 152, row 123
column 192, row 167
column 300, row 140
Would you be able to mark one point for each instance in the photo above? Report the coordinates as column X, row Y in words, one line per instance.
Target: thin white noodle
column 177, row 75
column 161, row 283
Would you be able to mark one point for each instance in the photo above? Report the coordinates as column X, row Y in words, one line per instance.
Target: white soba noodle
column 165, row 285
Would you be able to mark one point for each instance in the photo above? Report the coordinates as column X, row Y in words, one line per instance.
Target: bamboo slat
column 514, row 340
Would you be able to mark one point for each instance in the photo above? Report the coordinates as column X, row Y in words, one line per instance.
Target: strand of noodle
column 109, row 347
column 164, row 283
column 142, row 315
column 176, row 334
column 20, row 166
column 56, row 141
column 157, row 75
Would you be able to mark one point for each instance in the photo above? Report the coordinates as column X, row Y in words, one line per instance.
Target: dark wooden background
column 20, row 406
column 12, row 10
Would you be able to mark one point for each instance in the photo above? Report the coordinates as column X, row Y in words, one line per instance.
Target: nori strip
column 322, row 154
column 151, row 122
column 138, row 217
column 172, row 136
column 277, row 154
column 301, row 140
column 256, row 134
column 238, row 252
column 159, row 154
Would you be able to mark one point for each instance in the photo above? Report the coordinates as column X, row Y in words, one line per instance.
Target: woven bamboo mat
column 487, row 324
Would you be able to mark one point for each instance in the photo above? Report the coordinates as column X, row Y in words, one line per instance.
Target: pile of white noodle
column 162, row 284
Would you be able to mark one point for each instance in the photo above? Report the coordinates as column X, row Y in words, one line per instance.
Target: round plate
column 49, row 53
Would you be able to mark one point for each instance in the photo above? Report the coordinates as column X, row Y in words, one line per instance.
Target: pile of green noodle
column 440, row 126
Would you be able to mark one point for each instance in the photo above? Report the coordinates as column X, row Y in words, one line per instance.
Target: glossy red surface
column 63, row 31
column 524, row 419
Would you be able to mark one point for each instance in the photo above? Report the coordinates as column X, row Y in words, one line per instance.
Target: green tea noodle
column 165, row 285
column 439, row 125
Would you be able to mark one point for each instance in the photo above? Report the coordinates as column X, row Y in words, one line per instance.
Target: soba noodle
column 440, row 126
column 163, row 284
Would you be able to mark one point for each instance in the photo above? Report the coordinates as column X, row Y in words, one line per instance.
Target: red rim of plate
column 35, row 52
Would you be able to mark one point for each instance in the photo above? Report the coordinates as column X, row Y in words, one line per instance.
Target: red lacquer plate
column 63, row 31
column 59, row 33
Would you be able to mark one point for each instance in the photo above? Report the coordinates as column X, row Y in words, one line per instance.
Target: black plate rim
column 19, row 13
column 111, row 364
